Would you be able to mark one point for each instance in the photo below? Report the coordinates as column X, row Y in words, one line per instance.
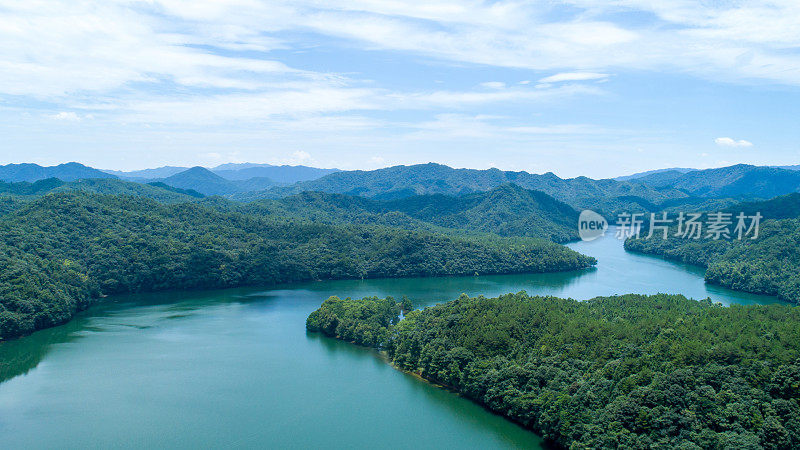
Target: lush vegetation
column 364, row 322
column 33, row 172
column 405, row 181
column 62, row 251
column 627, row 371
column 107, row 186
column 506, row 211
column 739, row 181
column 767, row 265
column 207, row 182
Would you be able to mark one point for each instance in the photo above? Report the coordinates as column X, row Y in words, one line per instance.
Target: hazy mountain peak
column 33, row 172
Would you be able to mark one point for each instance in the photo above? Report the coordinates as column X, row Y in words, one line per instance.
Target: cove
column 236, row 368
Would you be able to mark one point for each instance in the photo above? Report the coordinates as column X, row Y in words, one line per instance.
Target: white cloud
column 493, row 84
column 573, row 76
column 57, row 49
column 729, row 142
column 67, row 116
column 448, row 126
column 301, row 157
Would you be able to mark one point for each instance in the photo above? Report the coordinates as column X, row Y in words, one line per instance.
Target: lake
column 236, row 368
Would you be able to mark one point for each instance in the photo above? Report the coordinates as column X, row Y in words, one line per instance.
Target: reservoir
column 236, row 368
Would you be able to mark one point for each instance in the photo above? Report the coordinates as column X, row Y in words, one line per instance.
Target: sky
column 599, row 88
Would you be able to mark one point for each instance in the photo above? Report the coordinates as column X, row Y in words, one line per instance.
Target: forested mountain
column 661, row 178
column 508, row 210
column 646, row 192
column 673, row 170
column 405, row 181
column 147, row 174
column 279, row 174
column 767, row 265
column 34, row 172
column 629, row 371
column 783, row 207
column 207, row 182
column 739, row 181
column 649, row 193
column 108, row 186
column 284, row 174
column 61, row 252
column 25, row 188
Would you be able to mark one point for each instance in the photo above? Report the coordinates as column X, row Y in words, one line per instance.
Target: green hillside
column 64, row 251
column 34, row 172
column 629, row 371
column 767, row 265
column 399, row 182
column 207, row 182
column 106, row 186
column 508, row 210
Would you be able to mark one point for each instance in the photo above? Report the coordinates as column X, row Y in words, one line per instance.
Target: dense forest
column 62, row 251
column 508, row 210
column 767, row 265
column 627, row 371
column 108, row 186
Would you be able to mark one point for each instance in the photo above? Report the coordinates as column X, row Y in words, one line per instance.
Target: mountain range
column 225, row 180
column 65, row 172
column 283, row 174
column 653, row 191
column 508, row 210
column 652, row 172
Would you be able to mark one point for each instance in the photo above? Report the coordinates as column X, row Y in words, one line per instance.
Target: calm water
column 236, row 368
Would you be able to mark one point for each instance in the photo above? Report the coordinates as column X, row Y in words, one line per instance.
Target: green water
column 236, row 368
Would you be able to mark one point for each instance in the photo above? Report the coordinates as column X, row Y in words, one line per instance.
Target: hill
column 508, row 210
column 284, row 174
column 768, row 265
column 34, row 172
column 147, row 174
column 630, row 371
column 783, row 207
column 62, row 252
column 607, row 196
column 740, row 181
column 679, row 170
column 426, row 179
column 107, row 186
column 279, row 174
column 207, row 182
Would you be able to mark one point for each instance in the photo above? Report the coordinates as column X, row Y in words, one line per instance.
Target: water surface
column 236, row 368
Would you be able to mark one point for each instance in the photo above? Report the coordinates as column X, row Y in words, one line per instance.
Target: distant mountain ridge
column 608, row 196
column 634, row 176
column 284, row 174
column 508, row 210
column 648, row 191
column 12, row 173
column 147, row 174
column 207, row 182
column 278, row 174
column 738, row 181
column 399, row 182
column 26, row 190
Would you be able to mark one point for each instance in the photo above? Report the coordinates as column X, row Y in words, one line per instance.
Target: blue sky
column 583, row 87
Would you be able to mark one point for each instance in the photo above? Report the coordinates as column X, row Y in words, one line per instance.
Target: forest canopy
column 630, row 371
column 61, row 252
column 769, row 264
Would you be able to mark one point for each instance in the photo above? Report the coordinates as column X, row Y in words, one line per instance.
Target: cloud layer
column 190, row 65
column 729, row 142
